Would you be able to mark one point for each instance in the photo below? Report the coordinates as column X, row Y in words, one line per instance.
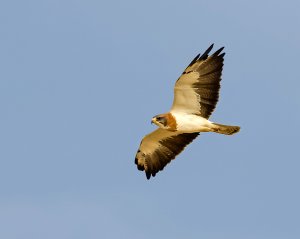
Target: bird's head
column 160, row 121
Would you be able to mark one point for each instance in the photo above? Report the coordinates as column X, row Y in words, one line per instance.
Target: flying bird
column 196, row 94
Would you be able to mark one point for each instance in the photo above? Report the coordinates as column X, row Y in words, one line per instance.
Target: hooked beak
column 153, row 120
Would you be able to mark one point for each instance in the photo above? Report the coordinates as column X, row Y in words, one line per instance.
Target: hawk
column 196, row 94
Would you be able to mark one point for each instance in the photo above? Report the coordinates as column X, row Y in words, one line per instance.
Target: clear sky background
column 79, row 83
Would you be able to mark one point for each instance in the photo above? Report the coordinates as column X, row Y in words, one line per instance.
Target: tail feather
column 225, row 129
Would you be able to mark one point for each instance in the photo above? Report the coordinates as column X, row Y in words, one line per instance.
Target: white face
column 160, row 121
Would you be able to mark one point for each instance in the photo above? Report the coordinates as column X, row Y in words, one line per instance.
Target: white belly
column 189, row 123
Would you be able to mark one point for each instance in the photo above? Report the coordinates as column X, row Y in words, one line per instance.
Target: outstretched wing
column 197, row 89
column 158, row 148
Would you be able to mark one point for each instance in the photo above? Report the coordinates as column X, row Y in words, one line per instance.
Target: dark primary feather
column 208, row 83
column 169, row 148
column 193, row 61
column 205, row 54
column 201, row 57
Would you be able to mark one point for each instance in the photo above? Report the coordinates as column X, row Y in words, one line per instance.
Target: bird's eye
column 158, row 118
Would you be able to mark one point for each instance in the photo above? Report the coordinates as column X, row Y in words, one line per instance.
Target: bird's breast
column 190, row 123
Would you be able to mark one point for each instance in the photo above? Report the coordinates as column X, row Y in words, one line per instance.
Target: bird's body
column 185, row 123
column 190, row 123
column 196, row 94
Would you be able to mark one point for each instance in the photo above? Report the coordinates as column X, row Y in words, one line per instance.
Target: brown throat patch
column 171, row 122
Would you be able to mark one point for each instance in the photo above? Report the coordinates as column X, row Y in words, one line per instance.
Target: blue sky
column 79, row 83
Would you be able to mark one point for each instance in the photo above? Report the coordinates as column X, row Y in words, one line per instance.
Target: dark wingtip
column 211, row 47
column 205, row 54
column 194, row 60
column 219, row 51
column 139, row 167
column 222, row 55
column 148, row 175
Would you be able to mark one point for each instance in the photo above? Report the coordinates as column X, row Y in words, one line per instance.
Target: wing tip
column 222, row 55
column 194, row 60
column 219, row 51
column 205, row 54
